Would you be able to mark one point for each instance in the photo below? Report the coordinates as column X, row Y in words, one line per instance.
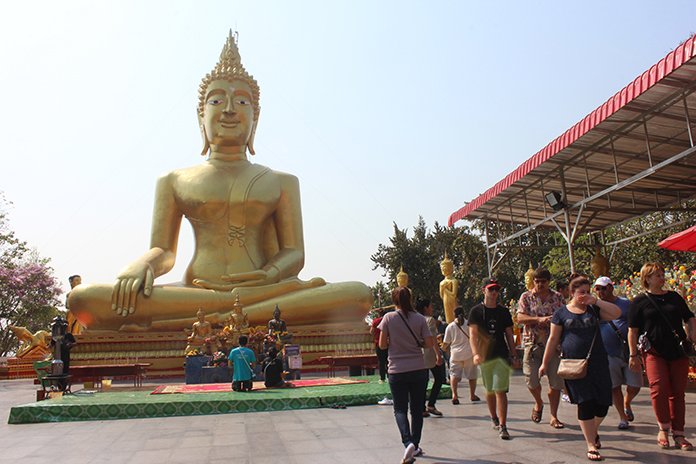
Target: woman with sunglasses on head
column 405, row 332
column 659, row 315
column 576, row 328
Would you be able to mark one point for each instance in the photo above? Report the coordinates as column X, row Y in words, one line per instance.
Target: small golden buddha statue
column 449, row 286
column 74, row 327
column 529, row 277
column 599, row 264
column 239, row 320
column 247, row 223
column 201, row 331
column 402, row 278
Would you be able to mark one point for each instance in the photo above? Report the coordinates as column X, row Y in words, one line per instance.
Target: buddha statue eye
column 243, row 102
column 215, row 102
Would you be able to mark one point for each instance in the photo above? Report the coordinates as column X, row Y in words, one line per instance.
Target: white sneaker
column 385, row 402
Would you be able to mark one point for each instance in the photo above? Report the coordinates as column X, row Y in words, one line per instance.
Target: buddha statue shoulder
column 247, row 224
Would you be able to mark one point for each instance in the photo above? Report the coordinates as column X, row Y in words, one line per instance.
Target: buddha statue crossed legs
column 247, row 224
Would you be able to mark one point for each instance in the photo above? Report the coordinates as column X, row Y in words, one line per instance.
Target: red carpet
column 226, row 387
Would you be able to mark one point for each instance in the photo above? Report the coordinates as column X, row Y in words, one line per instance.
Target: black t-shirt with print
column 491, row 323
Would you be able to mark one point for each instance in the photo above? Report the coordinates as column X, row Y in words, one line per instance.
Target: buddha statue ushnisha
column 247, row 224
column 449, row 286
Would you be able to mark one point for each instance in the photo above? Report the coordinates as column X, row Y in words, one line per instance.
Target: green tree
column 28, row 290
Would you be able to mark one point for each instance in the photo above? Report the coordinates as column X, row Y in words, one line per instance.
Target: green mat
column 141, row 404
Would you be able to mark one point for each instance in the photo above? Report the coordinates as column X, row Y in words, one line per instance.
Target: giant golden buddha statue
column 247, row 224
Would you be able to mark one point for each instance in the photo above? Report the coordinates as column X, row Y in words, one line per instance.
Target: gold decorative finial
column 237, row 303
column 230, row 69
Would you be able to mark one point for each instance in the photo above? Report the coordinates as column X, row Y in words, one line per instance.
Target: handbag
column 684, row 347
column 575, row 369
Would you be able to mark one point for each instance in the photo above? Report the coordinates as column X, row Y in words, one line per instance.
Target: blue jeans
column 409, row 387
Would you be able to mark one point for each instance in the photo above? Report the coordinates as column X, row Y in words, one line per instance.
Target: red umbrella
column 683, row 241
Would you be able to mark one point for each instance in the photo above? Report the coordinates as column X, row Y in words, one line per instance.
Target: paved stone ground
column 360, row 434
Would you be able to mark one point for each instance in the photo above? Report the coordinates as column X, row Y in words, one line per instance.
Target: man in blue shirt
column 244, row 360
column 618, row 357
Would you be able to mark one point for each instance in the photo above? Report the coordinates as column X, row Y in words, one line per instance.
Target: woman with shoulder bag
column 576, row 328
column 659, row 315
column 404, row 332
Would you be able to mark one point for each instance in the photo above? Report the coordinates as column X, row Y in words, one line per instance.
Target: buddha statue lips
column 247, row 223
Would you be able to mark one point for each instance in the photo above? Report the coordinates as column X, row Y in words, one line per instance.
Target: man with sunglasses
column 491, row 343
column 614, row 335
column 536, row 308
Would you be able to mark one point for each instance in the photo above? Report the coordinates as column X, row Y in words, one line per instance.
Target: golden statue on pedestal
column 247, row 224
column 449, row 286
column 202, row 337
column 31, row 344
column 239, row 321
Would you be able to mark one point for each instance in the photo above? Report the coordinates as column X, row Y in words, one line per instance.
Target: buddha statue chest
column 243, row 196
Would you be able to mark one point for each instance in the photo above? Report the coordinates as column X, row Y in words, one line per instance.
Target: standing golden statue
column 247, row 224
column 449, row 286
column 599, row 264
column 529, row 277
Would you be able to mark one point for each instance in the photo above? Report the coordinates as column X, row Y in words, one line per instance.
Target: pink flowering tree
column 28, row 290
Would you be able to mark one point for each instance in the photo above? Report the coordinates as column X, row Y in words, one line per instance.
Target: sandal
column 434, row 411
column 455, row 401
column 683, row 443
column 623, row 425
column 536, row 415
column 629, row 415
column 662, row 442
column 556, row 424
column 594, row 455
column 419, row 452
column 475, row 398
column 598, row 443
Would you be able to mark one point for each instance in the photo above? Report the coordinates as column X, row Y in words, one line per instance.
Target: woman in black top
column 659, row 315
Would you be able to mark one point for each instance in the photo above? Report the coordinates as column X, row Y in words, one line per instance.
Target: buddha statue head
column 238, row 306
column 74, row 280
column 402, row 278
column 200, row 315
column 446, row 266
column 276, row 313
column 228, row 102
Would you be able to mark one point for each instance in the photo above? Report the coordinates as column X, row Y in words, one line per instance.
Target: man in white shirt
column 461, row 357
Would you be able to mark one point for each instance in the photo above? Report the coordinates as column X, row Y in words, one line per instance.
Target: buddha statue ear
column 250, row 143
column 206, row 144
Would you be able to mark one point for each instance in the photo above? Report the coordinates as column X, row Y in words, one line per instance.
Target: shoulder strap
column 460, row 328
column 418, row 342
column 618, row 332
column 676, row 335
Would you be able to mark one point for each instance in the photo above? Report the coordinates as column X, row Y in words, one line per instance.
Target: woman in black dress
column 575, row 327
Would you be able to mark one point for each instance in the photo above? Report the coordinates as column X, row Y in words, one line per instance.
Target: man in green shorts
column 491, row 342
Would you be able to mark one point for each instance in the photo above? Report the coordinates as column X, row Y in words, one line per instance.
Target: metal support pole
column 488, row 252
column 566, row 216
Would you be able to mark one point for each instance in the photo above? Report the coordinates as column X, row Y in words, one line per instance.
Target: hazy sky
column 383, row 110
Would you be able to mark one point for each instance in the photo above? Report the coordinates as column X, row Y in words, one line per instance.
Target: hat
column 603, row 282
column 490, row 283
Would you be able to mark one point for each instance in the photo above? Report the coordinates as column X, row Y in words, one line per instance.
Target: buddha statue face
column 276, row 314
column 402, row 279
column 447, row 267
column 228, row 114
column 201, row 315
column 75, row 281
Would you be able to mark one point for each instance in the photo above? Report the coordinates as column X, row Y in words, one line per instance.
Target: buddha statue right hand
column 128, row 283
